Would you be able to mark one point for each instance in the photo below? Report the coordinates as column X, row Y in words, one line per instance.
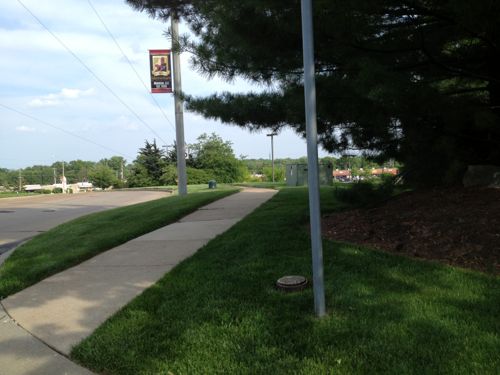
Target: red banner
column 160, row 70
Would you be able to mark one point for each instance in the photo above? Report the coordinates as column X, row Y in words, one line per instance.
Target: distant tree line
column 104, row 173
column 209, row 158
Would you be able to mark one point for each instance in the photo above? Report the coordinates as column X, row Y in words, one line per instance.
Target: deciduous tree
column 102, row 176
column 212, row 153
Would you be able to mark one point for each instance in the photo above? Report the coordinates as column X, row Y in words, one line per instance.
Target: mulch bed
column 456, row 226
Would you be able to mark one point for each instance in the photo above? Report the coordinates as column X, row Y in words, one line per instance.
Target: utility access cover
column 292, row 283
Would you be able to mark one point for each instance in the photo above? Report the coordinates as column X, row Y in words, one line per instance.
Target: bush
column 366, row 193
column 57, row 190
column 199, row 176
column 119, row 184
column 279, row 173
column 169, row 175
column 46, row 191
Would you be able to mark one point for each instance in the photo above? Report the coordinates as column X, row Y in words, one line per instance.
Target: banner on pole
column 160, row 70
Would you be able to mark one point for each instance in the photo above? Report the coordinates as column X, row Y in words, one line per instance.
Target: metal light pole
column 179, row 110
column 63, row 180
column 272, row 150
column 312, row 157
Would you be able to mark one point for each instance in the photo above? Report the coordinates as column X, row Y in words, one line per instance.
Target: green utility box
column 297, row 174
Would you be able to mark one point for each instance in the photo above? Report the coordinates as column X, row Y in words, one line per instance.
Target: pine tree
column 148, row 167
column 415, row 80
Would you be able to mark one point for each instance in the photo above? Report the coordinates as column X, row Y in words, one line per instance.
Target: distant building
column 346, row 174
column 381, row 171
column 84, row 186
column 342, row 175
column 32, row 188
column 79, row 187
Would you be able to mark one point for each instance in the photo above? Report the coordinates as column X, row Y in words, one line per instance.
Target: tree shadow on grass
column 423, row 317
column 386, row 315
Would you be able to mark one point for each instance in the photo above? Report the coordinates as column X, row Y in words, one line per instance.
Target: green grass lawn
column 219, row 313
column 12, row 194
column 267, row 185
column 82, row 238
column 191, row 188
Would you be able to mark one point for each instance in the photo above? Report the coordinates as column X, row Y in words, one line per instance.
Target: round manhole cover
column 48, row 210
column 291, row 283
column 6, row 212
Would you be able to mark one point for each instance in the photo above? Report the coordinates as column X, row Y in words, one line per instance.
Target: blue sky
column 41, row 79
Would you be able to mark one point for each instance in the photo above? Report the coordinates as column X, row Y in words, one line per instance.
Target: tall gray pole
column 63, row 179
column 179, row 110
column 312, row 157
column 272, row 154
column 272, row 151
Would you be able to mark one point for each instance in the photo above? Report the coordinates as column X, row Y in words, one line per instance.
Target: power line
column 90, row 71
column 63, row 130
column 130, row 63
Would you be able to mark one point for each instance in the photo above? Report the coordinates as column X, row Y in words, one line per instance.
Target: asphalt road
column 24, row 217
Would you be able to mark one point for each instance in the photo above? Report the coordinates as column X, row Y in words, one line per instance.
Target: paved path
column 24, row 217
column 67, row 307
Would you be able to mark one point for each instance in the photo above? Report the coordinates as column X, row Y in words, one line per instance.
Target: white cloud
column 43, row 102
column 41, row 78
column 56, row 99
column 76, row 93
column 25, row 129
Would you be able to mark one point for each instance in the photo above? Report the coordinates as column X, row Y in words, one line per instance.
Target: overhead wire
column 129, row 63
column 90, row 70
column 63, row 130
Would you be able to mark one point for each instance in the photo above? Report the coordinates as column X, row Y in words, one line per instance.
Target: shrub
column 366, row 193
column 169, row 176
column 279, row 173
column 199, row 176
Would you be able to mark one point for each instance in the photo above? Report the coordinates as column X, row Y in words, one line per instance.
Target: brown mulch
column 457, row 226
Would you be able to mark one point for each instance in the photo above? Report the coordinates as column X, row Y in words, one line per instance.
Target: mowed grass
column 266, row 185
column 218, row 312
column 194, row 188
column 15, row 194
column 82, row 238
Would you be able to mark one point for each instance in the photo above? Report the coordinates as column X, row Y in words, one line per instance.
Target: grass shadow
column 218, row 312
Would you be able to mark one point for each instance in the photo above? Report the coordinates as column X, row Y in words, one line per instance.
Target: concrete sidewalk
column 65, row 308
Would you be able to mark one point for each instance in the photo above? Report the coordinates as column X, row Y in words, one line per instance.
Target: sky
column 54, row 108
